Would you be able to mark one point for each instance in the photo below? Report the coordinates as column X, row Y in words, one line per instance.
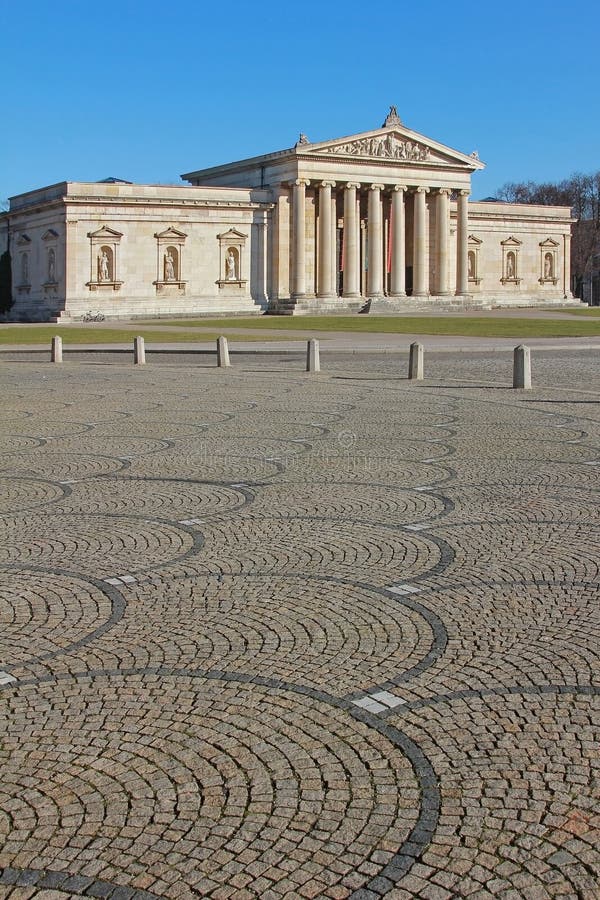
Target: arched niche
column 232, row 245
column 474, row 246
column 510, row 261
column 549, row 262
column 170, row 245
column 104, row 259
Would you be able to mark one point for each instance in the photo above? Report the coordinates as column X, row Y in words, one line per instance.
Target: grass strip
column 465, row 326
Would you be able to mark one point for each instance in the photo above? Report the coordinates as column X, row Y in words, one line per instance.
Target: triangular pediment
column 170, row 234
column 393, row 144
column 549, row 243
column 23, row 240
column 50, row 235
column 105, row 232
column 231, row 235
column 511, row 242
column 474, row 240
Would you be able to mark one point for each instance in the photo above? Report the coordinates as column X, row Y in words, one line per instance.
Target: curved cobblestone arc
column 417, row 826
column 114, row 596
column 65, row 884
column 21, row 543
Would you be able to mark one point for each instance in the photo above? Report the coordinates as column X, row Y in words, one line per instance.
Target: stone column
column 299, row 237
column 420, row 255
column 351, row 252
column 324, row 287
column 334, row 246
column 397, row 285
column 462, row 244
column 375, row 249
column 566, row 266
column 442, row 216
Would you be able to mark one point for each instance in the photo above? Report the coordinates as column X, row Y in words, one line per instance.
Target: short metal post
column 56, row 350
column 222, row 353
column 139, row 351
column 415, row 362
column 522, row 367
column 313, row 363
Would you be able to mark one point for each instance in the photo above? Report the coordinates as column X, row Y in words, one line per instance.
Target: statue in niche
column 51, row 267
column 548, row 273
column 103, row 266
column 510, row 265
column 24, row 268
column 230, row 266
column 471, row 265
column 169, row 266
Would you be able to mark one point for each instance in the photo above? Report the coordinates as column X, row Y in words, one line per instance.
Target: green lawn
column 589, row 311
column 43, row 334
column 585, row 323
column 468, row 326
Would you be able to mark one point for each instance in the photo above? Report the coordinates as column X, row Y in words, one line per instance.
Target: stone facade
column 378, row 221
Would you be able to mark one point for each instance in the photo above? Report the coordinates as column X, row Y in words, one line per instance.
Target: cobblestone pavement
column 270, row 634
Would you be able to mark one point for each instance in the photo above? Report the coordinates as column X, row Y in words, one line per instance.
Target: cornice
column 88, row 199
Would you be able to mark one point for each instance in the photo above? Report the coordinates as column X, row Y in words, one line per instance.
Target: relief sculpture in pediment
column 387, row 146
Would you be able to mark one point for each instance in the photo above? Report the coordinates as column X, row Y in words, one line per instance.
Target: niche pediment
column 170, row 234
column 232, row 235
column 23, row 240
column 511, row 242
column 105, row 232
column 552, row 245
column 50, row 235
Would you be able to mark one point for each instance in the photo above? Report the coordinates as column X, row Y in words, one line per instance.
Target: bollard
column 312, row 356
column 415, row 362
column 139, row 351
column 222, row 353
column 56, row 350
column 522, row 367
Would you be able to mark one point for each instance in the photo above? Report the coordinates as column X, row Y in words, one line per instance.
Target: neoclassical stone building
column 379, row 221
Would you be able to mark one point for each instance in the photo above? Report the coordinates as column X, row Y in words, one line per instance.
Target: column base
column 397, row 294
column 353, row 296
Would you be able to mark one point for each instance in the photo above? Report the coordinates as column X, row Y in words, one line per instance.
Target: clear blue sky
column 145, row 91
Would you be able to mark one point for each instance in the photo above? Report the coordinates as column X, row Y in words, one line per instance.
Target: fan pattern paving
column 266, row 634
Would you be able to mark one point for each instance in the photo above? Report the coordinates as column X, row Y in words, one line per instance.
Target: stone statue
column 510, row 266
column 471, row 265
column 51, row 267
column 169, row 267
column 24, row 269
column 548, row 266
column 103, row 267
column 230, row 266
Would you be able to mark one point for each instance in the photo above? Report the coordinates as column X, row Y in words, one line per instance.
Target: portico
column 379, row 216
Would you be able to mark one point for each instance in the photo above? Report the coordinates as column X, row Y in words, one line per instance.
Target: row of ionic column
column 326, row 283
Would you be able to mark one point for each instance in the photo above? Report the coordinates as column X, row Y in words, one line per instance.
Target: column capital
column 442, row 190
column 376, row 187
column 399, row 187
column 299, row 182
column 325, row 184
column 462, row 193
column 352, row 184
column 421, row 190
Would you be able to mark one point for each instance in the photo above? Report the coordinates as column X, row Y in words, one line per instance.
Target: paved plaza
column 274, row 634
